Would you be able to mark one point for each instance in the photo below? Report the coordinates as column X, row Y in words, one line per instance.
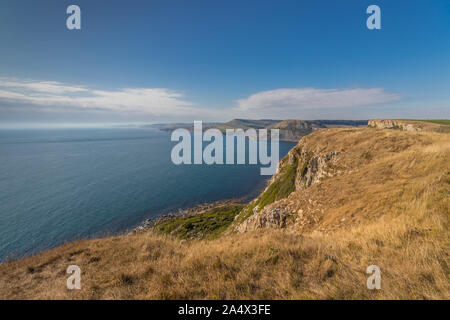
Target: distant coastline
column 86, row 183
column 290, row 130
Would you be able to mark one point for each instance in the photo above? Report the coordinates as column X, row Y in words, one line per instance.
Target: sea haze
column 60, row 185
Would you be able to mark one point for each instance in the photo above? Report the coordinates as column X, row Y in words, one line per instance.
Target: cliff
column 334, row 174
column 290, row 130
column 341, row 200
column 411, row 125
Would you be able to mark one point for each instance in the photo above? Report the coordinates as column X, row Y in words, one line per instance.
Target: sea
column 60, row 185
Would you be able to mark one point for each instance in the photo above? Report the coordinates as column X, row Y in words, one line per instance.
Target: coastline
column 198, row 209
column 315, row 230
column 119, row 192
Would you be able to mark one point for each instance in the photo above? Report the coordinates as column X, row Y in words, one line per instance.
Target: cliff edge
column 341, row 200
column 341, row 178
column 411, row 125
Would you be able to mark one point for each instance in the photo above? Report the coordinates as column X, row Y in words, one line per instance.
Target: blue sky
column 153, row 61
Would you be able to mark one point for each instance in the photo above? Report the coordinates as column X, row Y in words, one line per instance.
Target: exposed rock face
column 408, row 125
column 319, row 167
column 312, row 165
column 329, row 180
column 293, row 130
column 309, row 164
column 396, row 124
column 267, row 218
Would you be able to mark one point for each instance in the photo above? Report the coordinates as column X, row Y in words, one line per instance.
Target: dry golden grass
column 395, row 202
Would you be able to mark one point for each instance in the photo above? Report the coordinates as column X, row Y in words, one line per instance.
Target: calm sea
column 60, row 185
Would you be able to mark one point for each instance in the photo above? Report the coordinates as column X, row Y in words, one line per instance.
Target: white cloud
column 54, row 95
column 50, row 87
column 162, row 103
column 291, row 101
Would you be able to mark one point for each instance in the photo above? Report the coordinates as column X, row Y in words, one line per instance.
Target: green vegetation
column 445, row 122
column 393, row 211
column 304, row 169
column 207, row 225
column 439, row 121
column 279, row 189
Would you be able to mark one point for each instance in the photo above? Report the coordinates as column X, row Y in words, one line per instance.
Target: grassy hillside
column 441, row 126
column 246, row 124
column 354, row 197
column 206, row 225
column 290, row 130
column 439, row 121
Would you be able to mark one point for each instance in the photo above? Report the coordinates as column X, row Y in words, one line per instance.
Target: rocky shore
column 148, row 224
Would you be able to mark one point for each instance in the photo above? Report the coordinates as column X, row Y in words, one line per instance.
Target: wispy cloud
column 49, row 87
column 163, row 103
column 46, row 94
column 293, row 101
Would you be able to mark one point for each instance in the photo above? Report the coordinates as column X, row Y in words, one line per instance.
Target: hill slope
column 442, row 126
column 290, row 130
column 343, row 199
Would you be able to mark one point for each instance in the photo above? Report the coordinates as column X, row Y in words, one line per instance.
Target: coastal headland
column 342, row 199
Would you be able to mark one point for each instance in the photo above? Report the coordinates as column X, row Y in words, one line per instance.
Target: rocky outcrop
column 318, row 168
column 395, row 124
column 293, row 130
column 268, row 218
column 408, row 125
column 304, row 166
column 329, row 180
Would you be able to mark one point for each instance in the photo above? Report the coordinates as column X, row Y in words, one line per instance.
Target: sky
column 178, row 61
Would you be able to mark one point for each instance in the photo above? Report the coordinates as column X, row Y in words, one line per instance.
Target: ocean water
column 61, row 185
